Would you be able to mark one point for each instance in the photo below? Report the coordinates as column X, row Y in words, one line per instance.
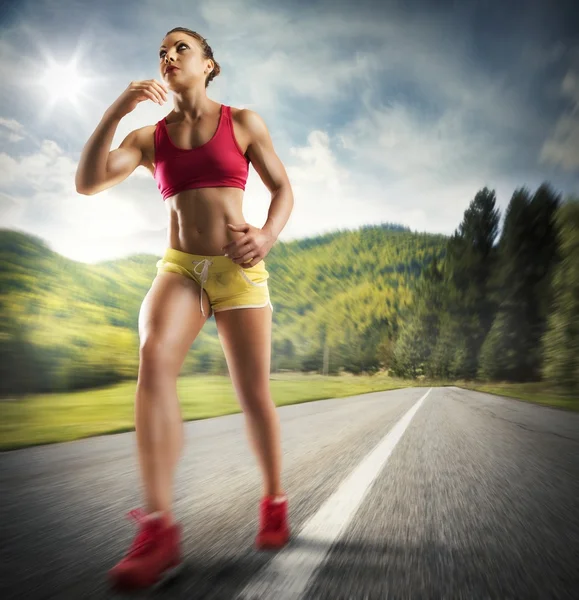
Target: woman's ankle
column 166, row 516
column 275, row 498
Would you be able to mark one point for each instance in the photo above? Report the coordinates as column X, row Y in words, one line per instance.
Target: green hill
column 69, row 325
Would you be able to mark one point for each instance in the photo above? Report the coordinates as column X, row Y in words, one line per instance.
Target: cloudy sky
column 381, row 111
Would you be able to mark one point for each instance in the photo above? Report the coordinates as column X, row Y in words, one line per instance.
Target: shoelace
column 146, row 534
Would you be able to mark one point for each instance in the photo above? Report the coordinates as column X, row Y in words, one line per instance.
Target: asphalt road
column 401, row 494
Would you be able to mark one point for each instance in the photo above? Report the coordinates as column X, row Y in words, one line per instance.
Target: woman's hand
column 138, row 91
column 248, row 250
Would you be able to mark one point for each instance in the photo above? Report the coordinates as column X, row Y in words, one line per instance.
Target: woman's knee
column 158, row 358
column 258, row 405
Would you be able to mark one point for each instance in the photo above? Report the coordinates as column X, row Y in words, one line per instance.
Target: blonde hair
column 205, row 48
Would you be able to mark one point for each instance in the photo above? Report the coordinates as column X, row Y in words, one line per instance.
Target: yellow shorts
column 227, row 284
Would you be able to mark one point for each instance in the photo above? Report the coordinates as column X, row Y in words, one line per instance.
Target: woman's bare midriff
column 198, row 219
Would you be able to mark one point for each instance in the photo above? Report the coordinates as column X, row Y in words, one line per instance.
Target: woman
column 199, row 155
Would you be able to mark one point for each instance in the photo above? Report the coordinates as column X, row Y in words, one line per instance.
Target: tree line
column 474, row 305
column 503, row 309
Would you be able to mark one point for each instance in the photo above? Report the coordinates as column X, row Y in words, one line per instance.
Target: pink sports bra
column 218, row 163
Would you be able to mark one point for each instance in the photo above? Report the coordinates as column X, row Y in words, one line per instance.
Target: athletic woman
column 199, row 155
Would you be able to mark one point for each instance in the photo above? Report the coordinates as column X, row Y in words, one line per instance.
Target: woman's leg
column 245, row 336
column 169, row 321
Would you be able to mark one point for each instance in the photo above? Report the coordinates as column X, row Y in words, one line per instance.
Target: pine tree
column 527, row 254
column 471, row 259
column 561, row 340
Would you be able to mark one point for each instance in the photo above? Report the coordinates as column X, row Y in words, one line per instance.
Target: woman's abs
column 198, row 220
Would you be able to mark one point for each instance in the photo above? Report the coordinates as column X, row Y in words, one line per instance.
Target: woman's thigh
column 169, row 321
column 245, row 336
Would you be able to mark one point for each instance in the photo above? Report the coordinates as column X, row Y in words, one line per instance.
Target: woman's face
column 183, row 52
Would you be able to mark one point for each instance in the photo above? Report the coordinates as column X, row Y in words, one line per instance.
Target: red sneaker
column 154, row 555
column 273, row 526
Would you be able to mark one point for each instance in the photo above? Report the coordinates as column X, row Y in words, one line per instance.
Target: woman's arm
column 99, row 168
column 269, row 167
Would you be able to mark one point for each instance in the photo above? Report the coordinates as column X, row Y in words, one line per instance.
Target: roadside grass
column 50, row 418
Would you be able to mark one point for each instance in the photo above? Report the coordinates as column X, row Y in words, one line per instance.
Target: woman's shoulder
column 239, row 113
column 241, row 119
column 236, row 115
column 249, row 120
column 144, row 135
column 145, row 138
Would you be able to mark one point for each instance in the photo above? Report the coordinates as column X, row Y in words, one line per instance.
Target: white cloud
column 562, row 146
column 10, row 210
column 11, row 137
column 49, row 206
column 12, row 125
column 11, row 130
column 109, row 247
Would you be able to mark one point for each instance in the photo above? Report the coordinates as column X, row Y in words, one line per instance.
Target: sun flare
column 62, row 86
column 63, row 82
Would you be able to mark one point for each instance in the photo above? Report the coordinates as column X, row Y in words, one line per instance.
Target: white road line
column 287, row 575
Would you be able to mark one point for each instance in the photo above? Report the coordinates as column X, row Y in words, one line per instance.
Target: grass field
column 538, row 393
column 49, row 418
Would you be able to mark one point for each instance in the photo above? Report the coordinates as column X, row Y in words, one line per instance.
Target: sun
column 63, row 86
column 68, row 87
column 63, row 82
